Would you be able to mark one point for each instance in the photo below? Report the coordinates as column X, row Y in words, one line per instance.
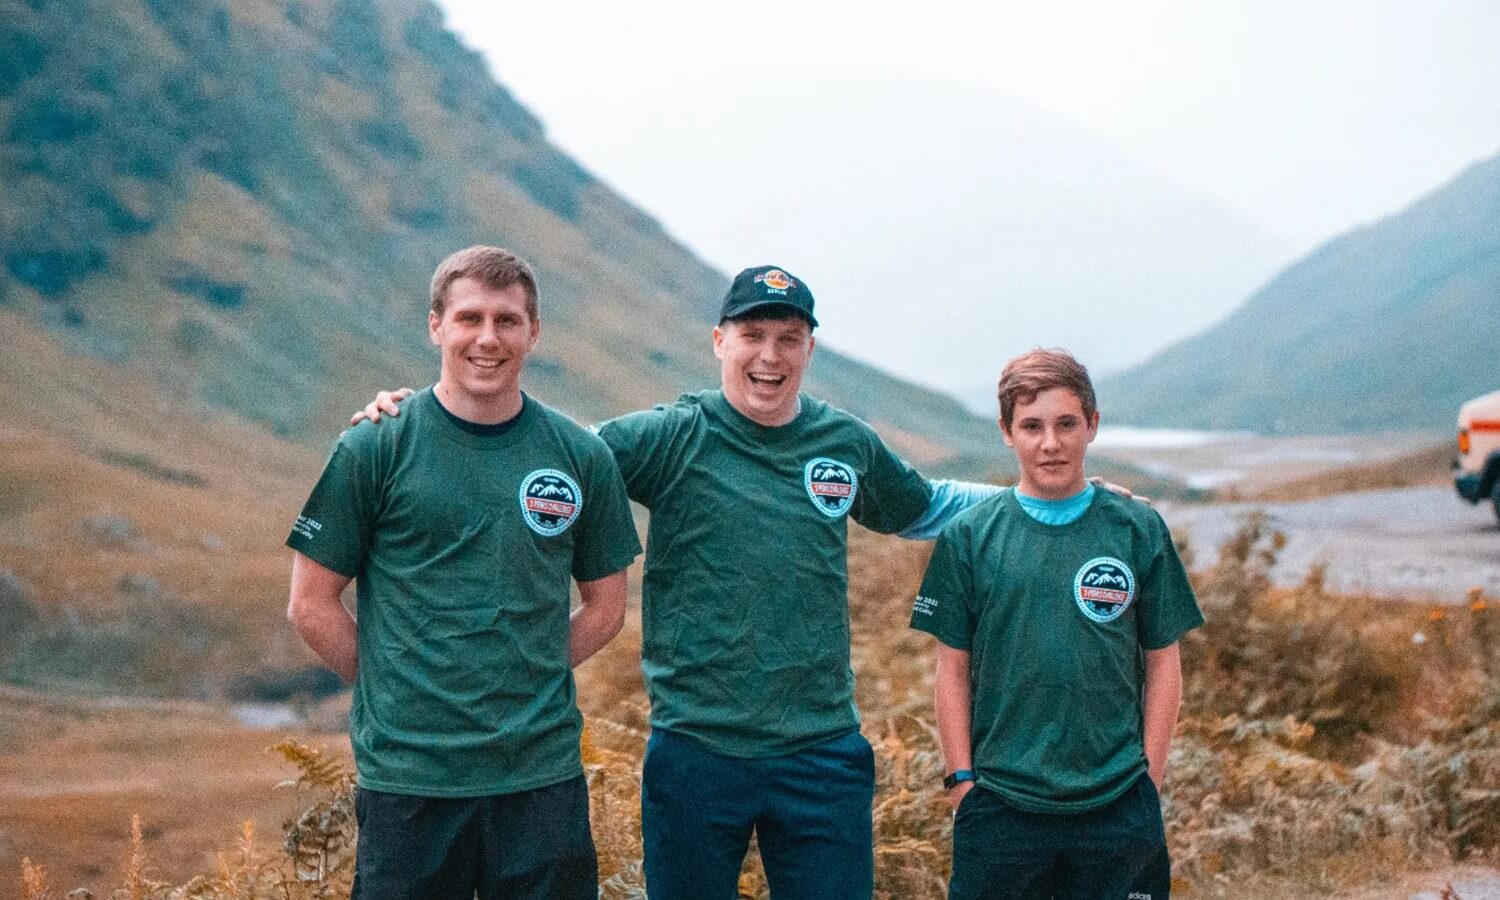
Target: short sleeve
column 636, row 440
column 944, row 607
column 336, row 522
column 607, row 541
column 892, row 494
column 1168, row 606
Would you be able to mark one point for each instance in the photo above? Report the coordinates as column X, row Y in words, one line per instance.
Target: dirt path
column 1421, row 543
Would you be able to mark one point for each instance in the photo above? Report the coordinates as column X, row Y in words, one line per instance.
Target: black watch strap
column 954, row 778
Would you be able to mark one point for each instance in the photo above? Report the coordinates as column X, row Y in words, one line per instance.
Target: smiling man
column 462, row 524
column 745, row 614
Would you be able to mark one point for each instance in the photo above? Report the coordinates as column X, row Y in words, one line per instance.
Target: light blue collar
column 1057, row 512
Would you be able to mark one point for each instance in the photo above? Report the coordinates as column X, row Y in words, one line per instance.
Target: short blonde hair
column 493, row 267
column 1039, row 370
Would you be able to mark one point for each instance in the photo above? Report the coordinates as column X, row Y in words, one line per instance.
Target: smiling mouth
column 486, row 363
column 766, row 380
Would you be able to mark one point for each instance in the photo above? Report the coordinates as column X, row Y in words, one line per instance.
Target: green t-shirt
column 745, row 609
column 1056, row 618
column 462, row 546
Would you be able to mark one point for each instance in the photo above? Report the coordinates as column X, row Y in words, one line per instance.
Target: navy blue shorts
column 531, row 844
column 1117, row 852
column 809, row 810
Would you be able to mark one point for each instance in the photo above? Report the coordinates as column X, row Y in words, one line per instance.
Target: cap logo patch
column 831, row 485
column 1104, row 588
column 776, row 280
column 550, row 501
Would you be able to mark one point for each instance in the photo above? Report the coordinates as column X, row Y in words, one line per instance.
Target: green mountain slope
column 242, row 202
column 1391, row 326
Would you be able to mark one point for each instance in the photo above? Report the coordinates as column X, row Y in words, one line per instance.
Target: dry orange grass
column 72, row 773
column 1325, row 742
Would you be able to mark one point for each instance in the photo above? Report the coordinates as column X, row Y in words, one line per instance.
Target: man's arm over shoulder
column 892, row 495
column 607, row 540
column 949, row 498
column 640, row 442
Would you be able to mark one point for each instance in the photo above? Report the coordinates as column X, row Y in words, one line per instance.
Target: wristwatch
column 954, row 778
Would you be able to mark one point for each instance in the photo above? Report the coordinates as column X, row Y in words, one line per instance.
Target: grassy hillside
column 240, row 204
column 1391, row 326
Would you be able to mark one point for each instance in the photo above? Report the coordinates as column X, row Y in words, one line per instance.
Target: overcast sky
column 1306, row 116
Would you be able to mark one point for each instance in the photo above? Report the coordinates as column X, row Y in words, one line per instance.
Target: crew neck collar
column 458, row 430
column 720, row 406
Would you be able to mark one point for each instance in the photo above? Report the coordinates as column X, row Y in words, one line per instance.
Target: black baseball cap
column 763, row 286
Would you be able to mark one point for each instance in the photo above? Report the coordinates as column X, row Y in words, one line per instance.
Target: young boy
column 1057, row 608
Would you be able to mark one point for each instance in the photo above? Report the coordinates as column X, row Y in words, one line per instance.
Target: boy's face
column 1050, row 436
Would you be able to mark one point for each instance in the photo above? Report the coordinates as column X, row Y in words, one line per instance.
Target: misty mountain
column 1389, row 326
column 942, row 228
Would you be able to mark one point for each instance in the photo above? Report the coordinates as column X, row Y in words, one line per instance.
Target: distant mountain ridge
column 243, row 203
column 945, row 228
column 1390, row 326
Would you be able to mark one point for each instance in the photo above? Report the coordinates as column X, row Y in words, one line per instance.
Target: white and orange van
column 1477, row 470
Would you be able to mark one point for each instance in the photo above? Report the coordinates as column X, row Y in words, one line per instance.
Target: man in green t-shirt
column 463, row 524
column 745, row 617
column 1057, row 608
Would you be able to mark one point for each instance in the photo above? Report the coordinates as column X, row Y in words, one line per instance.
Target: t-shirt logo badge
column 831, row 485
column 550, row 501
column 1104, row 589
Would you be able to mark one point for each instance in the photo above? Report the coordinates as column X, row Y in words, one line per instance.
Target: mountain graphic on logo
column 1111, row 578
column 549, row 490
column 823, row 473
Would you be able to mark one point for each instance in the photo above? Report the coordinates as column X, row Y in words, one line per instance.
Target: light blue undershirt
column 949, row 498
column 1057, row 512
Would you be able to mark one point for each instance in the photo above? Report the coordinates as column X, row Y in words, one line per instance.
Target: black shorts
column 1113, row 853
column 531, row 844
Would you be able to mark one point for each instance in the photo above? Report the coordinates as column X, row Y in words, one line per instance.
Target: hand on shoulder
column 1123, row 491
column 388, row 402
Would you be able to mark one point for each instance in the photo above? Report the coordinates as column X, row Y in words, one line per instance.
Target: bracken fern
column 1317, row 731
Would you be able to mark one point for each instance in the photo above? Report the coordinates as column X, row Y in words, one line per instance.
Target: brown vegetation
column 1325, row 740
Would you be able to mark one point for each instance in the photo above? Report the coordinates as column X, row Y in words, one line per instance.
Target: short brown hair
column 1029, row 374
column 492, row 267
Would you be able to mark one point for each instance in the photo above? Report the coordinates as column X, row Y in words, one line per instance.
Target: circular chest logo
column 1104, row 588
column 831, row 485
column 550, row 501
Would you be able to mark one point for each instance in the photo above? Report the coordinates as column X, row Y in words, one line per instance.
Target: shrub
column 1281, row 770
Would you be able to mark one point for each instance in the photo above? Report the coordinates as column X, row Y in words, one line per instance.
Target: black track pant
column 532, row 844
